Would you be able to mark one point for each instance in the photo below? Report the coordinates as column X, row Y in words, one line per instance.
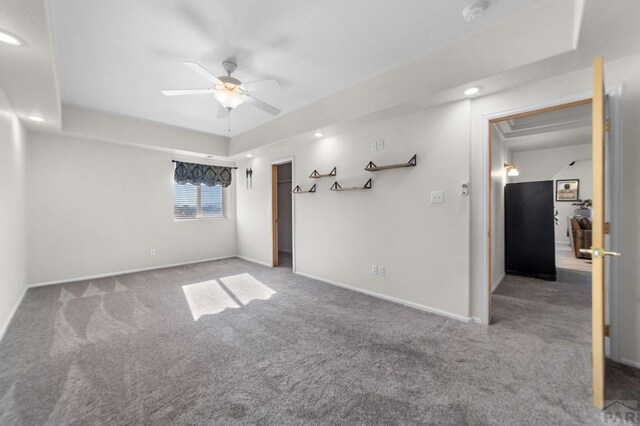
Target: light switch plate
column 380, row 270
column 374, row 269
column 380, row 145
column 437, row 197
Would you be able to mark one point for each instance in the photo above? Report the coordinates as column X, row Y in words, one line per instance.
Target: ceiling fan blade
column 260, row 104
column 222, row 113
column 186, row 92
column 270, row 83
column 203, row 72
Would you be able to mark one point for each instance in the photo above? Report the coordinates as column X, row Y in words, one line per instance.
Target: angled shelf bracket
column 298, row 190
column 336, row 187
column 316, row 175
column 371, row 167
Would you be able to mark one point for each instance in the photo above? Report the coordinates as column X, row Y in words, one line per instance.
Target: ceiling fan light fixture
column 228, row 99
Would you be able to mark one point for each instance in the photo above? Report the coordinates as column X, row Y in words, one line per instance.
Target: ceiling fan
column 229, row 91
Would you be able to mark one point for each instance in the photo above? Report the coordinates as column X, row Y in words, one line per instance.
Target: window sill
column 197, row 219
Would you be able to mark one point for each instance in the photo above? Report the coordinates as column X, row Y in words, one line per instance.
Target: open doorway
column 565, row 309
column 542, row 184
column 534, row 245
column 282, row 214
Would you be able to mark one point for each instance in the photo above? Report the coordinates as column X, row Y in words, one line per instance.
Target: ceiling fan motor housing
column 229, row 66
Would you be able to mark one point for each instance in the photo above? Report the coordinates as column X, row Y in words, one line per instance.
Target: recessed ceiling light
column 471, row 91
column 9, row 38
column 36, row 118
column 318, row 134
column 249, row 155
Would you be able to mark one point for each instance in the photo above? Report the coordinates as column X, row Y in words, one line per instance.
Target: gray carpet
column 283, row 349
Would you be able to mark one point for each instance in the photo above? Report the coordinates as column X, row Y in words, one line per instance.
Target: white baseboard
column 389, row 298
column 630, row 363
column 476, row 320
column 5, row 326
column 131, row 271
column 259, row 262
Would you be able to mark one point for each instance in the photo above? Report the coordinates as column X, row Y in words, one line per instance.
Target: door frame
column 274, row 211
column 614, row 94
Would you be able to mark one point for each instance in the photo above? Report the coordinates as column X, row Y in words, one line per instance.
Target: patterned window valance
column 197, row 174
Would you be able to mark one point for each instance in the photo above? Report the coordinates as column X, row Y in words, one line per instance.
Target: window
column 196, row 201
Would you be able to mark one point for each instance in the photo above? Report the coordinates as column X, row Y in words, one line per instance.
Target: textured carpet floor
column 230, row 342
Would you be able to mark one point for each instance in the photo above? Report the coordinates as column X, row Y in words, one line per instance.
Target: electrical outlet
column 153, row 252
column 437, row 197
column 380, row 145
column 374, row 269
column 380, row 269
column 464, row 188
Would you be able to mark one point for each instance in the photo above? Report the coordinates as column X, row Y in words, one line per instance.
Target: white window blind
column 196, row 201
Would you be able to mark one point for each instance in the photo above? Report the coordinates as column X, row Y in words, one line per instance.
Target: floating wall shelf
column 316, row 175
column 298, row 190
column 371, row 167
column 336, row 187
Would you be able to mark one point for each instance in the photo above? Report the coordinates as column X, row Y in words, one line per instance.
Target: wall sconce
column 511, row 169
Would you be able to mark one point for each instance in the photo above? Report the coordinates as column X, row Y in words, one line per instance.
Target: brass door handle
column 598, row 252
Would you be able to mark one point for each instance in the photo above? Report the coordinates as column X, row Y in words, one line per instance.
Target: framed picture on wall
column 567, row 190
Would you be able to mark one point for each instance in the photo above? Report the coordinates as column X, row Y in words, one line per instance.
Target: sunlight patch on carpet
column 207, row 298
column 246, row 288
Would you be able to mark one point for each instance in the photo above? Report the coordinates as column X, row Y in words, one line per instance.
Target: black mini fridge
column 529, row 230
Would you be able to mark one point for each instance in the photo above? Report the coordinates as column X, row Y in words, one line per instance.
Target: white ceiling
column 553, row 129
column 27, row 72
column 117, row 55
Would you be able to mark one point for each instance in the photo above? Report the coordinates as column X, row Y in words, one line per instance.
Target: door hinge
column 606, row 330
column 607, row 228
column 607, row 125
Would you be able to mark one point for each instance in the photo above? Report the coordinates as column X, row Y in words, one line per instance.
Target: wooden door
column 597, row 250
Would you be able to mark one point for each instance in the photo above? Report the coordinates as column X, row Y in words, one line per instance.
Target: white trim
column 131, row 271
column 285, row 160
column 389, row 298
column 614, row 193
column 259, row 262
column 476, row 320
column 5, row 326
column 630, row 363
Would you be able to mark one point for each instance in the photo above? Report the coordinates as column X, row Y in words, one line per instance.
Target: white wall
column 104, row 126
column 99, row 208
column 12, row 219
column 551, row 164
column 620, row 71
column 582, row 170
column 284, row 208
column 339, row 235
